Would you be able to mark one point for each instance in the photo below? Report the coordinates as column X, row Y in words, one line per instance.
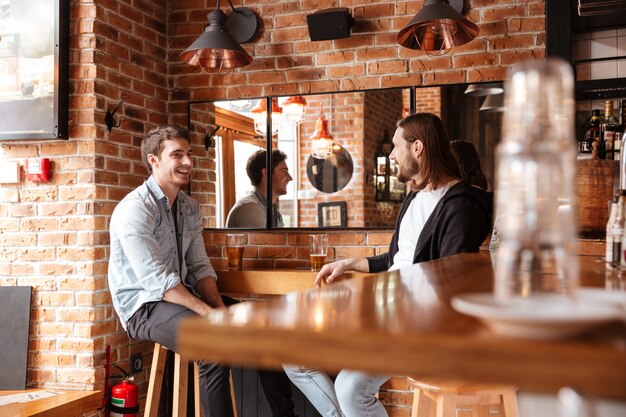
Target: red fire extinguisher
column 124, row 399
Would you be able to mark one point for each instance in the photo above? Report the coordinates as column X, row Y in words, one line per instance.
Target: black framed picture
column 332, row 214
column 34, row 62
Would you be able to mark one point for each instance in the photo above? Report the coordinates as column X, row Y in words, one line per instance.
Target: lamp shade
column 321, row 139
column 437, row 27
column 259, row 115
column 481, row 90
column 215, row 49
column 293, row 108
column 493, row 103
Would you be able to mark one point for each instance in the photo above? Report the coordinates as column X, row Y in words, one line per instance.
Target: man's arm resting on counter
column 331, row 271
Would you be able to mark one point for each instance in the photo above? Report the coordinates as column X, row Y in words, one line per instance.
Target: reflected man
column 442, row 216
column 251, row 210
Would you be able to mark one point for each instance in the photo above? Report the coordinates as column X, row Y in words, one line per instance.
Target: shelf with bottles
column 601, row 128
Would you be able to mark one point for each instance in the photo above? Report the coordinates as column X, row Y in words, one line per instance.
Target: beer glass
column 318, row 246
column 234, row 250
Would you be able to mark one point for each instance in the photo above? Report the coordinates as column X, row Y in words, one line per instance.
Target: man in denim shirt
column 159, row 272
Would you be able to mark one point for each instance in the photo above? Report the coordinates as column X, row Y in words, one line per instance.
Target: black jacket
column 459, row 223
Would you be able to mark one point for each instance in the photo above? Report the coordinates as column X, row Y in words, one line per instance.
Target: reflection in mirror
column 357, row 122
column 332, row 173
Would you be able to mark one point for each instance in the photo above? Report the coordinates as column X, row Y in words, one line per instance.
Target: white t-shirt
column 413, row 222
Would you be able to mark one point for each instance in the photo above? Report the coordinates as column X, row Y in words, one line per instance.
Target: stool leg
column 446, row 406
column 156, row 381
column 196, row 391
column 180, row 386
column 232, row 393
column 421, row 404
column 509, row 404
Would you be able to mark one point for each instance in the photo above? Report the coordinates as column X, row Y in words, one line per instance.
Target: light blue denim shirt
column 143, row 263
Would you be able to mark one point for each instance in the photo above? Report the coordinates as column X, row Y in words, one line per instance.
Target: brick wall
column 54, row 235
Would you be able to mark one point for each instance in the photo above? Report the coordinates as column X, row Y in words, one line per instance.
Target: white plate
column 540, row 317
column 603, row 296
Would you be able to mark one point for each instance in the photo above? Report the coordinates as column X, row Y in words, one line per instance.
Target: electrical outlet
column 136, row 363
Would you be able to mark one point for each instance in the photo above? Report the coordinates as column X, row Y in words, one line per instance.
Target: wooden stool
column 448, row 395
column 181, row 366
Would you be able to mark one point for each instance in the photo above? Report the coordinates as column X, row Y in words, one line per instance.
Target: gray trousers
column 158, row 322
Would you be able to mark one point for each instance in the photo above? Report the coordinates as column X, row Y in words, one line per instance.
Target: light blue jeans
column 352, row 394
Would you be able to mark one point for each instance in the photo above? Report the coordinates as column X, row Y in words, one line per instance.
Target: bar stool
column 447, row 396
column 181, row 366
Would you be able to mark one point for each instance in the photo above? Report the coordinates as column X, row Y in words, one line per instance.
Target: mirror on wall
column 332, row 143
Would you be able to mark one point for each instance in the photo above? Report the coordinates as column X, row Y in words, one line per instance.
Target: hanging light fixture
column 259, row 115
column 437, row 28
column 321, row 139
column 219, row 45
column 293, row 108
column 493, row 103
column 481, row 90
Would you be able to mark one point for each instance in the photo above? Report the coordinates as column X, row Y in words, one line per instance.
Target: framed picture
column 332, row 214
column 34, row 62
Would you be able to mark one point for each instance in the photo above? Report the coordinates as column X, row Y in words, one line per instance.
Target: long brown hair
column 438, row 160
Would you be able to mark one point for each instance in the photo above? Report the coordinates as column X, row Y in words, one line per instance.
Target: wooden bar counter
column 402, row 324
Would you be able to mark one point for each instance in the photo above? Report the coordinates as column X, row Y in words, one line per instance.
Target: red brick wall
column 54, row 235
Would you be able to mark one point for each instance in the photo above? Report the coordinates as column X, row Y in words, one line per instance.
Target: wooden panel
column 14, row 321
column 67, row 404
column 594, row 183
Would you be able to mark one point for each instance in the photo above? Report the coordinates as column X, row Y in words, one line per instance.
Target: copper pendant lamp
column 321, row 139
column 219, row 45
column 437, row 28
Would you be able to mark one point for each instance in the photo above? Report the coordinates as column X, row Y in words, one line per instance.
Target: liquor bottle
column 608, row 126
column 620, row 132
column 608, row 253
column 588, row 134
column 618, row 230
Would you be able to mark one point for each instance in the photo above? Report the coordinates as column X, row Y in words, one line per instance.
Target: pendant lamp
column 219, row 46
column 321, row 139
column 437, row 28
column 259, row 115
column 293, row 108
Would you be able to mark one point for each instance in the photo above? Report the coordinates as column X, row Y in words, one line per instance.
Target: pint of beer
column 318, row 247
column 234, row 250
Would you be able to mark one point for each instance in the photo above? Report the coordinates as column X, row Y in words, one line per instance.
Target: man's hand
column 331, row 271
column 180, row 295
column 207, row 288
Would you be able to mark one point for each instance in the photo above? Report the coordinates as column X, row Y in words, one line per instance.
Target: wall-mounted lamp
column 219, row 46
column 259, row 115
column 321, row 139
column 437, row 28
column 293, row 109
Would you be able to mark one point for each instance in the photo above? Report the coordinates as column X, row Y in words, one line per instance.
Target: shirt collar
column 156, row 190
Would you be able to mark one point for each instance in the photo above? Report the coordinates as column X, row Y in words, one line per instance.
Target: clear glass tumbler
column 535, row 187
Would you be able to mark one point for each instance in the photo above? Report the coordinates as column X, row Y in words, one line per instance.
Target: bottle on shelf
column 608, row 255
column 589, row 137
column 619, row 132
column 608, row 128
column 622, row 136
column 617, row 230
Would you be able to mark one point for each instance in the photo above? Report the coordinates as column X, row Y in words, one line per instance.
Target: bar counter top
column 401, row 323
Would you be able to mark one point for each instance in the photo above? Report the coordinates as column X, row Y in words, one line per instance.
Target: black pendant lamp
column 437, row 28
column 219, row 45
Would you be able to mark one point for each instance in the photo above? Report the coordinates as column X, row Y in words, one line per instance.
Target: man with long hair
column 441, row 216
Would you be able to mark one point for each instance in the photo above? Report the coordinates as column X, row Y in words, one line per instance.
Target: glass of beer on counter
column 234, row 250
column 318, row 246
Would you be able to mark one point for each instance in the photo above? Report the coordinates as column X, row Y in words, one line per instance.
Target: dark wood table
column 401, row 323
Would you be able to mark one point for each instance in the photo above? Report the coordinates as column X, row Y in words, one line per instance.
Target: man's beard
column 406, row 174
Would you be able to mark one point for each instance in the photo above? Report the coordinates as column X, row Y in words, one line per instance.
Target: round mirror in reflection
column 332, row 173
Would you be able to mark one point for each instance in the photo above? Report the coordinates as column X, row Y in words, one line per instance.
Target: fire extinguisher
column 124, row 399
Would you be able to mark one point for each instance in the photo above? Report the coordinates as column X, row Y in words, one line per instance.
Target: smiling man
column 251, row 210
column 159, row 272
